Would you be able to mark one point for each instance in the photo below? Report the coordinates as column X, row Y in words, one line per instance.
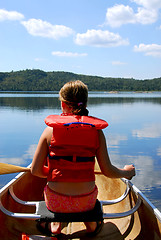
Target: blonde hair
column 75, row 95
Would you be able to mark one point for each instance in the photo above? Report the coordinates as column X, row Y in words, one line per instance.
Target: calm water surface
column 133, row 135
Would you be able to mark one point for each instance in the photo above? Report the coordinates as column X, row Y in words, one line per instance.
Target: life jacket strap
column 79, row 123
column 70, row 158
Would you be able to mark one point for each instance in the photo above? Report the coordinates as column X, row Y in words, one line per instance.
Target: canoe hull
column 143, row 224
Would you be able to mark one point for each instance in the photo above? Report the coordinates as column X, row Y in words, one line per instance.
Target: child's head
column 75, row 95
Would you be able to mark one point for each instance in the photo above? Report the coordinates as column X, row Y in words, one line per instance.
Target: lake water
column 133, row 135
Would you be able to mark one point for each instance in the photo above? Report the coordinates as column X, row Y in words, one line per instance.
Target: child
column 71, row 150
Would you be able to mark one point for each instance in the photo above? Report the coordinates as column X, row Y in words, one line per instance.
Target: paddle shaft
column 9, row 168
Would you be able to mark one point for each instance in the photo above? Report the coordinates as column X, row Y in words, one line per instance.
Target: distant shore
column 38, row 80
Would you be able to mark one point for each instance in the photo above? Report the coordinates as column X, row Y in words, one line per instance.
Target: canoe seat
column 47, row 216
column 42, row 213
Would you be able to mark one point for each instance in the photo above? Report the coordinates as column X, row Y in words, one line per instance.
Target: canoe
column 127, row 213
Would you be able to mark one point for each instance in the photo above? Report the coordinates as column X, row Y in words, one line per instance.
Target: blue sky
column 104, row 38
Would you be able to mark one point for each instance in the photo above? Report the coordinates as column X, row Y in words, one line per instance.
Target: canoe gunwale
column 34, row 216
column 19, row 215
column 106, row 202
column 123, row 214
column 144, row 199
column 10, row 183
column 117, row 200
column 27, row 203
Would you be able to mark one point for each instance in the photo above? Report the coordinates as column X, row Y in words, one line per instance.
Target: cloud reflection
column 159, row 151
column 144, row 165
column 21, row 161
column 30, row 152
column 15, row 161
column 149, row 131
column 114, row 140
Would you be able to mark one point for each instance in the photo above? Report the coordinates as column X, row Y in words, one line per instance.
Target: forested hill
column 37, row 80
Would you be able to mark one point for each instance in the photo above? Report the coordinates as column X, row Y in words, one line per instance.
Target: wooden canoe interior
column 141, row 225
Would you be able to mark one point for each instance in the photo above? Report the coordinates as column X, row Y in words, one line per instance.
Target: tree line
column 38, row 80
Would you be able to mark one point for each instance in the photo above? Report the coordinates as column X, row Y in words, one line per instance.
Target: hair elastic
column 80, row 103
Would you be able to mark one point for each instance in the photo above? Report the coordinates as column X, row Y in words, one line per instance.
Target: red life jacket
column 73, row 147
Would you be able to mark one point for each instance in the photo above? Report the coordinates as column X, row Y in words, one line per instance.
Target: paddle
column 9, row 168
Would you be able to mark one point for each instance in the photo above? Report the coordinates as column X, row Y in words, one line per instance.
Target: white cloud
column 146, row 16
column 121, row 14
column 37, row 27
column 39, row 59
column 150, row 4
column 99, row 38
column 10, row 15
column 68, row 54
column 149, row 49
column 118, row 63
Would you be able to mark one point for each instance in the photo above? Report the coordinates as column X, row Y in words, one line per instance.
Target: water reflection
column 149, row 131
column 31, row 103
column 159, row 151
column 133, row 135
column 21, row 161
column 44, row 101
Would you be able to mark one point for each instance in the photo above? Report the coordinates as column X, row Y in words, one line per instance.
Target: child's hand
column 130, row 171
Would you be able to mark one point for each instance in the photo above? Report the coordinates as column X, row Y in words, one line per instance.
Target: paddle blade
column 9, row 168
